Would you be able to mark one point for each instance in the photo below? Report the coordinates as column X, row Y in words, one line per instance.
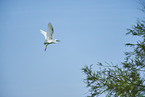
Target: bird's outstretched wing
column 50, row 31
column 44, row 33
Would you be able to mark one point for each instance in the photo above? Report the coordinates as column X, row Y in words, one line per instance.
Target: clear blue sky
column 90, row 31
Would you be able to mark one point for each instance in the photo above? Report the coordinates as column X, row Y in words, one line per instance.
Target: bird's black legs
column 46, row 47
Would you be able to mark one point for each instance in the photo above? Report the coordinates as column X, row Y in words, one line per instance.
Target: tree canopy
column 126, row 80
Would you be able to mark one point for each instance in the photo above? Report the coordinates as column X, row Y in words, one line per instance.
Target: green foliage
column 125, row 81
column 136, row 59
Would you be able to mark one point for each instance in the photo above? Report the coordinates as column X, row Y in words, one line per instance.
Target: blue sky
column 90, row 31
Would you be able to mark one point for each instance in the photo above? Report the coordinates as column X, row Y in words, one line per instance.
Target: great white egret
column 48, row 35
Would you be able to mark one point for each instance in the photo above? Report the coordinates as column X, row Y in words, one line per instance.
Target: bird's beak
column 58, row 40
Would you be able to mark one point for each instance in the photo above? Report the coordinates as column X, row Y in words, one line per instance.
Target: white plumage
column 48, row 35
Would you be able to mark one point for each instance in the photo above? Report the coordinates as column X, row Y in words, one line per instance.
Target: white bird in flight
column 48, row 35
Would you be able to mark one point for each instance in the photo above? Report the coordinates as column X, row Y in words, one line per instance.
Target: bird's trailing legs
column 46, row 47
